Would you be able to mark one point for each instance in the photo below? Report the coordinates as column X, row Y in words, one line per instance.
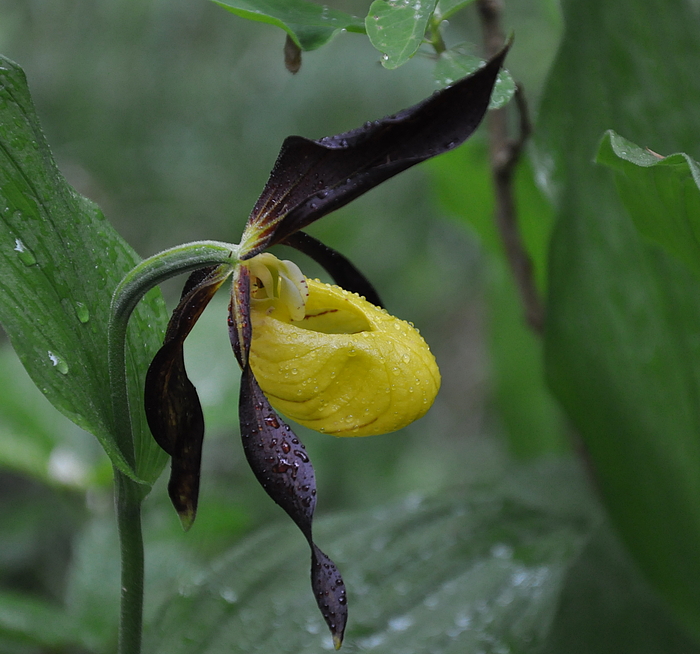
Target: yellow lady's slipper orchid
column 338, row 364
column 321, row 355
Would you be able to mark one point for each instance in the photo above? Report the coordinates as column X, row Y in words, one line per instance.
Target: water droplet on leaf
column 82, row 312
column 58, row 362
column 26, row 256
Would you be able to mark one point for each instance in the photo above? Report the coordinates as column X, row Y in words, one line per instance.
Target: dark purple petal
column 275, row 454
column 329, row 591
column 172, row 406
column 339, row 267
column 176, row 421
column 292, row 56
column 312, row 178
column 239, row 327
column 280, row 462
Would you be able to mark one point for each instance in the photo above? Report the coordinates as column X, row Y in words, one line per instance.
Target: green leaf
column 28, row 620
column 453, row 65
column 531, row 418
column 661, row 195
column 309, row 25
column 462, row 182
column 60, row 261
column 447, row 8
column 606, row 606
column 505, row 566
column 397, row 28
column 441, row 575
column 622, row 351
column 39, row 442
column 94, row 572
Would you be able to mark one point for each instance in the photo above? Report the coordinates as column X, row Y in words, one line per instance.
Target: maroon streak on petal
column 239, row 326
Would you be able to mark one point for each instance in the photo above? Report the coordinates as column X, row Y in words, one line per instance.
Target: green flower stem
column 141, row 279
column 435, row 38
column 130, row 490
column 129, row 495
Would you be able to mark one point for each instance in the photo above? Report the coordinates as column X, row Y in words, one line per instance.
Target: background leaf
column 309, row 25
column 59, row 263
column 447, row 8
column 40, row 443
column 453, row 65
column 607, row 606
column 529, row 415
column 439, row 575
column 397, row 28
column 661, row 195
column 623, row 321
column 495, row 567
column 36, row 623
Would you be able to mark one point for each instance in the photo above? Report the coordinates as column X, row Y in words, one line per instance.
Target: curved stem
column 130, row 490
column 436, row 39
column 141, row 279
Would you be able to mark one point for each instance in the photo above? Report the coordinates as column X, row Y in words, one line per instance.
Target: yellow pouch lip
column 375, row 379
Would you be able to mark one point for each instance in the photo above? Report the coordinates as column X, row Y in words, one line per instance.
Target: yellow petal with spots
column 347, row 368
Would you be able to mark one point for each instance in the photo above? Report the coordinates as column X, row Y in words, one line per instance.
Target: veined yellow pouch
column 347, row 368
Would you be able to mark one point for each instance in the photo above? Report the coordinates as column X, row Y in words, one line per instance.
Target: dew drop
column 229, row 595
column 58, row 362
column 82, row 312
column 26, row 256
